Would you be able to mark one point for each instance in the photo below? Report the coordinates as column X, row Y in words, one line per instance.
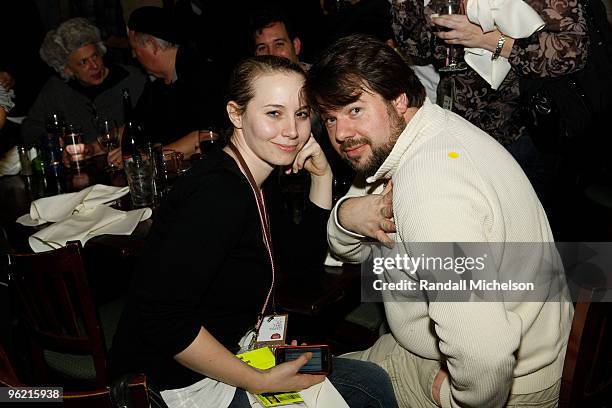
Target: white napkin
column 62, row 206
column 87, row 224
column 9, row 163
column 514, row 18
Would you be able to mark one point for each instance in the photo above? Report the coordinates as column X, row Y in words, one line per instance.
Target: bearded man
column 446, row 181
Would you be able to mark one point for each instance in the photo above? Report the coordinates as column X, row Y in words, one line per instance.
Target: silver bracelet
column 498, row 49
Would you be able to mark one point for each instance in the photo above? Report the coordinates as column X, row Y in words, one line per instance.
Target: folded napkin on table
column 87, row 224
column 80, row 216
column 59, row 207
column 9, row 163
column 514, row 18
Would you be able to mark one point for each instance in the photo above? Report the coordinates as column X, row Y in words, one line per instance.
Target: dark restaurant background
column 220, row 31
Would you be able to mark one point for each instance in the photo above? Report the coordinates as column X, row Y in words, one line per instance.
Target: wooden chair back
column 587, row 371
column 98, row 398
column 56, row 303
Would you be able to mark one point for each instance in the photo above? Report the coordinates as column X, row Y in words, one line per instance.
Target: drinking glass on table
column 173, row 163
column 74, row 147
column 108, row 137
column 454, row 61
column 140, row 174
column 207, row 140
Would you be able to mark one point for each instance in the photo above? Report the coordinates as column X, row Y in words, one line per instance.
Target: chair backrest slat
column 65, row 309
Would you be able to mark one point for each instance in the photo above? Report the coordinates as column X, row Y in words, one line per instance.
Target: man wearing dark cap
column 185, row 94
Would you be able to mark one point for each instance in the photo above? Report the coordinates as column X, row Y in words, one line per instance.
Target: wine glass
column 453, row 61
column 207, row 140
column 108, row 138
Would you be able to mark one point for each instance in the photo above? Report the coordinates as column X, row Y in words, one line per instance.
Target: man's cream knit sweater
column 455, row 183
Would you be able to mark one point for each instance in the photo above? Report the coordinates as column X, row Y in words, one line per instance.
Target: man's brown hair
column 358, row 63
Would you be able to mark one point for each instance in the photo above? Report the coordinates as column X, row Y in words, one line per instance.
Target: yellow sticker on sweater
column 453, row 155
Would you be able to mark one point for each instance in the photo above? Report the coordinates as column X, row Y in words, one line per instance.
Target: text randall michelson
column 481, row 284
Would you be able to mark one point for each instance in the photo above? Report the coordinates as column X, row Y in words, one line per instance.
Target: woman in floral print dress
column 558, row 49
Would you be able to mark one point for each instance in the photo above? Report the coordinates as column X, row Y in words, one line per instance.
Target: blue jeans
column 362, row 384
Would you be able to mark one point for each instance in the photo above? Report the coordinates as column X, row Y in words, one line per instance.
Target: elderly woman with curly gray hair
column 85, row 89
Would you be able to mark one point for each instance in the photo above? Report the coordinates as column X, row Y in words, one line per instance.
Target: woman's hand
column 207, row 356
column 285, row 377
column 78, row 152
column 462, row 32
column 311, row 158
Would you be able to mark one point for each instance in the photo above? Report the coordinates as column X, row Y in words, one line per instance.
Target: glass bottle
column 51, row 142
column 130, row 138
column 24, row 160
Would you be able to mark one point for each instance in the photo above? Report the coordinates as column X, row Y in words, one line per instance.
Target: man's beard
column 380, row 153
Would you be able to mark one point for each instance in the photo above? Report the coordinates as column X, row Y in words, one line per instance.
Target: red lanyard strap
column 263, row 218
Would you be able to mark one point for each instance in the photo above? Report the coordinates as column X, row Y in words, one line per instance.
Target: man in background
column 273, row 33
column 185, row 94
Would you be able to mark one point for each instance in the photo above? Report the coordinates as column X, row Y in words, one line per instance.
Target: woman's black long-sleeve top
column 205, row 264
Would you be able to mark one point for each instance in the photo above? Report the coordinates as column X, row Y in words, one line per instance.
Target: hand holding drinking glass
column 76, row 151
column 207, row 140
column 108, row 138
column 447, row 27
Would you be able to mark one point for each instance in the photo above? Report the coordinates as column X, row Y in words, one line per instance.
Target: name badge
column 273, row 331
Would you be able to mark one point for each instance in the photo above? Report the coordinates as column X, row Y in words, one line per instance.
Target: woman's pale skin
column 272, row 130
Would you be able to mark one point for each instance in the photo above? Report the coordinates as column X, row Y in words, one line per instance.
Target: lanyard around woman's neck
column 265, row 225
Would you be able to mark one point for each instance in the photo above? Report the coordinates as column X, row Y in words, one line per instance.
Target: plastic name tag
column 273, row 331
column 263, row 358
